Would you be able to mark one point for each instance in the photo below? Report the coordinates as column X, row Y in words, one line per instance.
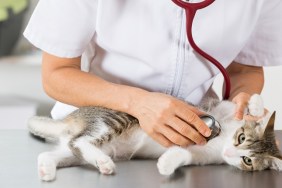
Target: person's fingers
column 186, row 130
column 161, row 139
column 249, row 117
column 175, row 137
column 193, row 119
column 241, row 101
column 265, row 112
column 196, row 110
column 277, row 143
column 240, row 109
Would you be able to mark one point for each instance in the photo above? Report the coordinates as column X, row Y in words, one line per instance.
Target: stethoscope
column 212, row 124
column 190, row 10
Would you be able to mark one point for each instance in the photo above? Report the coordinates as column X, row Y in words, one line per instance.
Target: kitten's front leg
column 176, row 157
column 256, row 106
column 173, row 158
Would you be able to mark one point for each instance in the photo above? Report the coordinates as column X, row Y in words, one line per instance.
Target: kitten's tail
column 45, row 127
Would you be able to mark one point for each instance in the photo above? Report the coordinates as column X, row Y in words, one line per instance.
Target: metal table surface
column 18, row 168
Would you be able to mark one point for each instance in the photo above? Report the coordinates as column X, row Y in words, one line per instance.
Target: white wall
column 272, row 93
column 21, row 77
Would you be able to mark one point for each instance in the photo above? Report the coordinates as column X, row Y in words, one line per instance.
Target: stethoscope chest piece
column 212, row 124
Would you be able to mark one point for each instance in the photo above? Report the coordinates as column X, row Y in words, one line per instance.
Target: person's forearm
column 248, row 79
column 70, row 85
column 78, row 88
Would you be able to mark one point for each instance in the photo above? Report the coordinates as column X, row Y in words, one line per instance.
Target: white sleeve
column 61, row 110
column 264, row 47
column 62, row 27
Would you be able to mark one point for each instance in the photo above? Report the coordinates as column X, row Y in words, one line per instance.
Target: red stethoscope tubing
column 190, row 10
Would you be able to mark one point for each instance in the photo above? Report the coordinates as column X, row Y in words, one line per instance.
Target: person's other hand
column 241, row 100
column 170, row 121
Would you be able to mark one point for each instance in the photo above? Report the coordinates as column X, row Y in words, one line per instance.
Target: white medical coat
column 143, row 43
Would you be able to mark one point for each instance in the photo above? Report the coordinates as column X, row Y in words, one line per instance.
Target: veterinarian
column 133, row 56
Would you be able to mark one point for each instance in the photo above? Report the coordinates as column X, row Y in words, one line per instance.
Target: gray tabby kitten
column 99, row 136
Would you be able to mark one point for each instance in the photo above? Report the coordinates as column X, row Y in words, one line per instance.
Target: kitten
column 99, row 136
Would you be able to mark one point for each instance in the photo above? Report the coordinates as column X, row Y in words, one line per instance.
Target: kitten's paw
column 46, row 168
column 256, row 106
column 165, row 166
column 106, row 166
column 172, row 159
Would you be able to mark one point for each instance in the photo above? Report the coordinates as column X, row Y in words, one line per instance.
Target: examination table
column 18, row 169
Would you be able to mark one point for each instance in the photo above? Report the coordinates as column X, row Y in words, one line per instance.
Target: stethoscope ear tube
column 190, row 10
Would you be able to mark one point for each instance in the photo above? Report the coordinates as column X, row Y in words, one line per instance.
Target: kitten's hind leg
column 93, row 155
column 173, row 158
column 49, row 161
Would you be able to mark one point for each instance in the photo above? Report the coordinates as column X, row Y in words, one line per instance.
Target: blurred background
column 21, row 92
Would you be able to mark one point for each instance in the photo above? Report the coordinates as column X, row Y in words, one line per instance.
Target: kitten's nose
column 230, row 152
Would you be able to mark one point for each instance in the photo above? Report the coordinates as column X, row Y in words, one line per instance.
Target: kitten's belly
column 149, row 148
column 133, row 144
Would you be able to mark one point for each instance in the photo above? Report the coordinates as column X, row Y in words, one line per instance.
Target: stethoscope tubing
column 190, row 10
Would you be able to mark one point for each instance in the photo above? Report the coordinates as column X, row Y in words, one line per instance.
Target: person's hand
column 241, row 100
column 170, row 121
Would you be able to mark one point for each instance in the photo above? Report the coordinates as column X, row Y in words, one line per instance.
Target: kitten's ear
column 276, row 164
column 270, row 124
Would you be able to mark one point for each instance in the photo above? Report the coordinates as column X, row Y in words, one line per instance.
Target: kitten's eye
column 247, row 161
column 241, row 138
